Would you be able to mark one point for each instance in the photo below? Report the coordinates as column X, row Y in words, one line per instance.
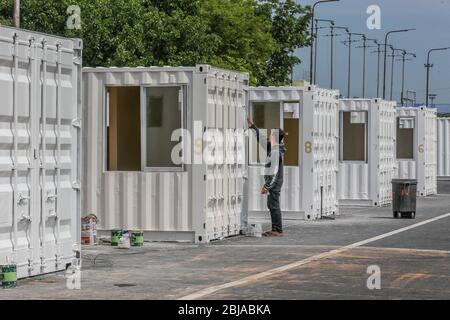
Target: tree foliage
column 256, row 36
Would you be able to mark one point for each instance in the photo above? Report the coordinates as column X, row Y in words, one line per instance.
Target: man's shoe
column 277, row 234
column 272, row 234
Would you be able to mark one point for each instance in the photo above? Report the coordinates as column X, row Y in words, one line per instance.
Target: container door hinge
column 76, row 185
column 76, row 123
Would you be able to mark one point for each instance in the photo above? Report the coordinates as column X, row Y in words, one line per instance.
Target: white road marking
column 312, row 247
column 208, row 291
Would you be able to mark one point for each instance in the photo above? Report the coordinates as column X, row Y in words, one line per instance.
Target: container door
column 58, row 149
column 16, row 153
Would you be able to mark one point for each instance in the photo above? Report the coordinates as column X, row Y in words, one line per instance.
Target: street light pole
column 429, row 66
column 312, row 36
column 349, row 64
column 16, row 14
column 332, row 35
column 378, row 64
column 365, row 46
column 316, row 44
column 385, row 56
column 404, row 54
column 350, row 60
column 392, row 70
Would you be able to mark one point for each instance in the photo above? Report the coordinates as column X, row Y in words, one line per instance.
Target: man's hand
column 264, row 190
column 250, row 122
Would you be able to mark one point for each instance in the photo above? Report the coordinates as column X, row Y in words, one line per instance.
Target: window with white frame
column 163, row 116
column 140, row 124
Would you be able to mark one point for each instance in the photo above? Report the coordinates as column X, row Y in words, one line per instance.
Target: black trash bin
column 404, row 198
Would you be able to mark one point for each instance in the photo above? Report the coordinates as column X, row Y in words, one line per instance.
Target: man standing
column 273, row 177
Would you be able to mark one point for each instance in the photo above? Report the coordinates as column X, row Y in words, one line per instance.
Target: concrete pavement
column 414, row 264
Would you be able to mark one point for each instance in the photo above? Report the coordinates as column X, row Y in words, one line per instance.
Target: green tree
column 257, row 36
column 289, row 28
column 245, row 40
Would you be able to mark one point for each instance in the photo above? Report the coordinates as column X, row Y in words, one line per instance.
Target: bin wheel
column 412, row 215
column 396, row 215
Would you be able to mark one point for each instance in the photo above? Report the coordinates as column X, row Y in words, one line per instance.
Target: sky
column 431, row 18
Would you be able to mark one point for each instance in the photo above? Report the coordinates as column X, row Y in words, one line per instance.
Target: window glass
column 163, row 116
column 405, row 138
column 354, row 136
column 123, row 129
column 266, row 116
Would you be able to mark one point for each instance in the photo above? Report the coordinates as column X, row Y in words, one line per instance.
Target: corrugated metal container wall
column 367, row 157
column 315, row 110
column 416, row 152
column 429, row 154
column 196, row 202
column 443, row 130
column 40, row 118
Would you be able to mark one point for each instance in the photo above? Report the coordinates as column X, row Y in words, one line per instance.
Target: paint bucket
column 8, row 276
column 137, row 239
column 115, row 237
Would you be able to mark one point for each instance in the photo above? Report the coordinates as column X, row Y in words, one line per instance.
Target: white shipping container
column 130, row 181
column 367, row 152
column 40, row 119
column 416, row 144
column 443, row 154
column 309, row 117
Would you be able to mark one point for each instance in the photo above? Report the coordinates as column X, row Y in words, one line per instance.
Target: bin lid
column 404, row 181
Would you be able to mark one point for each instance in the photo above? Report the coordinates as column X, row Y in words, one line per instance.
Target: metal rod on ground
column 321, row 202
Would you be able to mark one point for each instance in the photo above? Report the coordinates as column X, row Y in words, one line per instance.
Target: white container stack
column 443, row 157
column 40, row 118
column 130, row 179
column 416, row 148
column 309, row 117
column 367, row 152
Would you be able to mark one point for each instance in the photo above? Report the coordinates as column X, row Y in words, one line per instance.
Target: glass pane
column 124, row 129
column 405, row 139
column 291, row 128
column 354, row 136
column 266, row 116
column 163, row 117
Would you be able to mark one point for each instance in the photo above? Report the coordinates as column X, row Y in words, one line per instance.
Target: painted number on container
column 421, row 148
column 308, row 146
